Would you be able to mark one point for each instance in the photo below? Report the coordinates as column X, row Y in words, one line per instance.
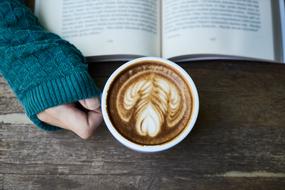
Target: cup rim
column 150, row 148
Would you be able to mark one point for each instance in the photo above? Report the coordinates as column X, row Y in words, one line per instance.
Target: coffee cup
column 150, row 104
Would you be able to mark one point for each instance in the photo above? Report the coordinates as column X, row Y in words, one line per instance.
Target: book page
column 104, row 27
column 218, row 27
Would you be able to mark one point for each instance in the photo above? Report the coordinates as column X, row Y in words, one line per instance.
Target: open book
column 179, row 30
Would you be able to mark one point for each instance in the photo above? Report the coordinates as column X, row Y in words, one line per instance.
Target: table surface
column 238, row 141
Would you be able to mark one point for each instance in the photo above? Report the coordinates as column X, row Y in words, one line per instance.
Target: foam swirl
column 151, row 101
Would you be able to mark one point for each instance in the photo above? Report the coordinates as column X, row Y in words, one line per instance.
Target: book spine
column 282, row 22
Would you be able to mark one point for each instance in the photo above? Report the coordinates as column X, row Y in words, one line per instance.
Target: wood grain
column 103, row 182
column 208, row 151
column 1, row 182
column 238, row 141
column 8, row 101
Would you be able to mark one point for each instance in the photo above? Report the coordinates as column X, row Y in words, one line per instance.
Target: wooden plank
column 1, row 181
column 241, row 91
column 174, row 182
column 210, row 149
column 8, row 101
column 15, row 118
column 238, row 140
column 106, row 69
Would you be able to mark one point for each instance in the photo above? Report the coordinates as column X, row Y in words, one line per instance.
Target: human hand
column 70, row 117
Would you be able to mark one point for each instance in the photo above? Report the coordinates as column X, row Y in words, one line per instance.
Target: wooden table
column 238, row 141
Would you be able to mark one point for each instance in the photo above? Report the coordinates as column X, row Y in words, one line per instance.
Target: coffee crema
column 149, row 103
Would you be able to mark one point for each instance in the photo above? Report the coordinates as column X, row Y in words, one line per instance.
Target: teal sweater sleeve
column 42, row 69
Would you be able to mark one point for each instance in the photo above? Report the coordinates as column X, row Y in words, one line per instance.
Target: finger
column 90, row 103
column 67, row 116
column 95, row 118
column 80, row 122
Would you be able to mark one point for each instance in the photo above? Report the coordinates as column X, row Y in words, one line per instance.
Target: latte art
column 149, row 103
column 151, row 100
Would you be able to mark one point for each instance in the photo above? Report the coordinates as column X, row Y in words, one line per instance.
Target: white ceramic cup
column 150, row 148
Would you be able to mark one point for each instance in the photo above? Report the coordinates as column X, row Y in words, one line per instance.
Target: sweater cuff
column 68, row 89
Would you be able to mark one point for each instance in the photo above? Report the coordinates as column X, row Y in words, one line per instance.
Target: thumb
column 90, row 103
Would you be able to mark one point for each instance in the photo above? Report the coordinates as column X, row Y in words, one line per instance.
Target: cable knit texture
column 42, row 69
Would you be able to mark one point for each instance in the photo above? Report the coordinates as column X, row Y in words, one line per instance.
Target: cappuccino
column 149, row 102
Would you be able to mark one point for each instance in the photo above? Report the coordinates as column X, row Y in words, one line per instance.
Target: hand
column 70, row 117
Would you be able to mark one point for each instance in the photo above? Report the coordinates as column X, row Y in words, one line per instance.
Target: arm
column 42, row 69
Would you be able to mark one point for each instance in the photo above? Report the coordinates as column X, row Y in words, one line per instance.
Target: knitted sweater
column 42, row 69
